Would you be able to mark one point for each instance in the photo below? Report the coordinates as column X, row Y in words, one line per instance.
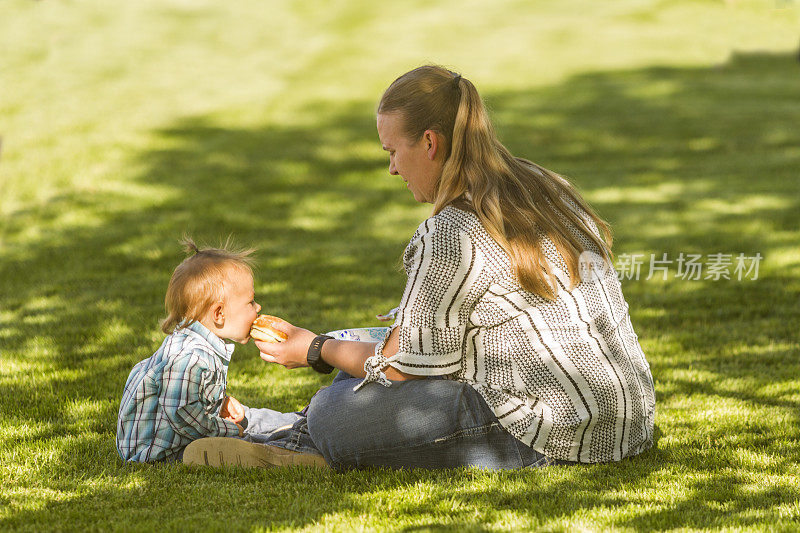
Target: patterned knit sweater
column 567, row 377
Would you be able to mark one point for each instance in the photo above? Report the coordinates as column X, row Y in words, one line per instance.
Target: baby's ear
column 218, row 313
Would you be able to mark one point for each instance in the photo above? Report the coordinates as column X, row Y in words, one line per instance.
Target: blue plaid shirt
column 174, row 396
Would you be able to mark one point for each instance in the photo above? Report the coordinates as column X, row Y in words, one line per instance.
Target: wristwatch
column 314, row 356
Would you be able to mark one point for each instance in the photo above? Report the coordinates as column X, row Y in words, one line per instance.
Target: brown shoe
column 228, row 451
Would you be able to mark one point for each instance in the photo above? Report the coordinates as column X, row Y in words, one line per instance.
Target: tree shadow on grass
column 679, row 160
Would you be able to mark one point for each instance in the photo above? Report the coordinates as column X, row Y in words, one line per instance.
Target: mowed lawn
column 124, row 126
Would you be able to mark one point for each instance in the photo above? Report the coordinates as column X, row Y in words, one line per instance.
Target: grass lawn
column 124, row 126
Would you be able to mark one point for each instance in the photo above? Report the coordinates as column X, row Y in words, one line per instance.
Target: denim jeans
column 425, row 423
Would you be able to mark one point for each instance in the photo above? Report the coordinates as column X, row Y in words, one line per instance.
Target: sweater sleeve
column 443, row 265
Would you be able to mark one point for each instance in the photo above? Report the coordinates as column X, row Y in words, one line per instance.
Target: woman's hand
column 290, row 353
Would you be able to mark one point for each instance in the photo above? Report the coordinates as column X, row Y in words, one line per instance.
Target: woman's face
column 417, row 161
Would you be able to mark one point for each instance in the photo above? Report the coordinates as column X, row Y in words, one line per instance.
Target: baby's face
column 241, row 308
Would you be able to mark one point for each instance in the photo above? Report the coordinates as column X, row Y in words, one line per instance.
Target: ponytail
column 516, row 200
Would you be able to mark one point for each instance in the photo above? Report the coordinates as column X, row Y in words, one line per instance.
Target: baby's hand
column 232, row 410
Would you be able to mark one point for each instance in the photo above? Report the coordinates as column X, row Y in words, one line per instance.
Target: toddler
column 177, row 395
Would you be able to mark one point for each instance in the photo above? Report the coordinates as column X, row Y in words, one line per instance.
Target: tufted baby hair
column 200, row 281
column 516, row 200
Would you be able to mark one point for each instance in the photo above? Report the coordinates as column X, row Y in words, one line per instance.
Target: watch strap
column 314, row 357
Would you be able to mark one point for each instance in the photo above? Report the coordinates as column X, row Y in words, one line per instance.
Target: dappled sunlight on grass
column 680, row 157
column 323, row 210
column 752, row 204
column 81, row 413
column 665, row 190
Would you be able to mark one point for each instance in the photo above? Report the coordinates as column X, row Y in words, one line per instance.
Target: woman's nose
column 392, row 169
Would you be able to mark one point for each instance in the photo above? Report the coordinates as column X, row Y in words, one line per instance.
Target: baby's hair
column 199, row 281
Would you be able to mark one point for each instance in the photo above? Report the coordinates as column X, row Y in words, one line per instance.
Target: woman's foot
column 228, row 451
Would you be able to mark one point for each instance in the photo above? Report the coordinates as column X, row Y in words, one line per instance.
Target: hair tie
column 457, row 79
column 189, row 246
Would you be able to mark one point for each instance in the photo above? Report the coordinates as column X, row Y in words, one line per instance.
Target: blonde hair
column 199, row 281
column 516, row 200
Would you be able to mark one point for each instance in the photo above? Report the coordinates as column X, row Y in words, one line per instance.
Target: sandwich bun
column 263, row 330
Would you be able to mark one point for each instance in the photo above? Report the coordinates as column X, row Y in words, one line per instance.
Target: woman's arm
column 348, row 356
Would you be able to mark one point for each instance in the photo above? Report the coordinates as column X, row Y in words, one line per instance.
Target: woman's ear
column 432, row 143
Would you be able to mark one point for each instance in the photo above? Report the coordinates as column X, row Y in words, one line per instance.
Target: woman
column 536, row 364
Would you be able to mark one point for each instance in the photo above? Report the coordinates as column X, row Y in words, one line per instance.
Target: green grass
column 124, row 126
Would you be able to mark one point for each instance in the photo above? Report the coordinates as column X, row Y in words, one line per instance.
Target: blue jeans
column 425, row 423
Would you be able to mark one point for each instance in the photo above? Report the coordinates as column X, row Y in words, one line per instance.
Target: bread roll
column 262, row 330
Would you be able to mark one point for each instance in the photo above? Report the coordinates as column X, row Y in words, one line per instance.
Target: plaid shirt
column 174, row 396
